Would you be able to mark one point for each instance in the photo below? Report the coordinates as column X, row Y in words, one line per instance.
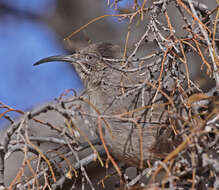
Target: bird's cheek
column 88, row 66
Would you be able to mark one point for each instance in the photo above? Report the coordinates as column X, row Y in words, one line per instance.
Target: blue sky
column 23, row 42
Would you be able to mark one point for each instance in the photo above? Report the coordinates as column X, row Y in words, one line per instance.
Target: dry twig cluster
column 191, row 114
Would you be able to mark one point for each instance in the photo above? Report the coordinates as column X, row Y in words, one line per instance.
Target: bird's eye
column 89, row 57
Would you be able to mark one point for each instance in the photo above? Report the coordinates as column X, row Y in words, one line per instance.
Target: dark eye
column 89, row 57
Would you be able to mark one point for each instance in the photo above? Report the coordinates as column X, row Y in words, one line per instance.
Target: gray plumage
column 113, row 92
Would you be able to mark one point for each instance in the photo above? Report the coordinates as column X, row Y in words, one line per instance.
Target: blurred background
column 31, row 30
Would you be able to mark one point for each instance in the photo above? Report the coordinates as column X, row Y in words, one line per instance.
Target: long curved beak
column 65, row 58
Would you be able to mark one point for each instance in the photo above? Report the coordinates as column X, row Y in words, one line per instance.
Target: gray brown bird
column 136, row 133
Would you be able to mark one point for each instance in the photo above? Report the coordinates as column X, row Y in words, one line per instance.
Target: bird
column 133, row 133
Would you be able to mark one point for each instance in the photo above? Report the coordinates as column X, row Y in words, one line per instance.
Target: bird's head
column 88, row 61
